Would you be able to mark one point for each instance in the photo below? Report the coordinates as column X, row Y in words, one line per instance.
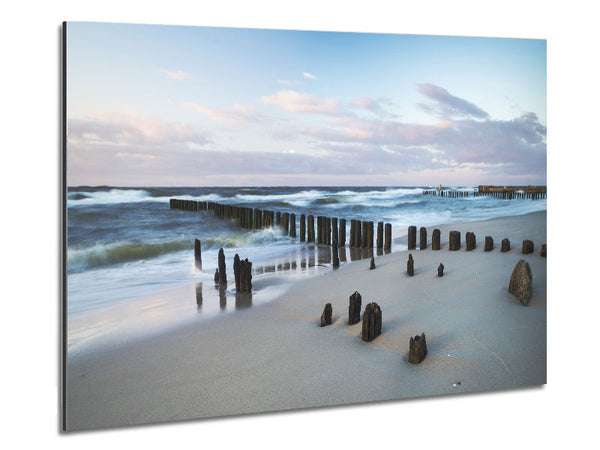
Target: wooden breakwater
column 500, row 192
column 330, row 231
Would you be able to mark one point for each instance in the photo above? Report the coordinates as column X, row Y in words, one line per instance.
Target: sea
column 130, row 258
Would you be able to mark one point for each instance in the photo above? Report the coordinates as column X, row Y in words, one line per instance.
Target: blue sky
column 166, row 105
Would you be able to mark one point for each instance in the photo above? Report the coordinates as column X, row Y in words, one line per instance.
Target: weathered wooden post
column 358, row 239
column 326, row 316
column 354, row 308
column 417, row 349
column 335, row 254
column 527, row 246
column 412, row 237
column 521, row 280
column 489, row 244
column 293, row 225
column 372, row 265
column 379, row 234
column 435, row 240
column 198, row 254
column 334, row 231
column 423, row 238
column 388, row 236
column 302, row 227
column 278, row 218
column 365, row 234
column 410, row 266
column 505, row 245
column 471, row 244
column 237, row 271
column 371, row 232
column 454, row 239
column 371, row 325
column 311, row 228
column 342, row 233
column 222, row 270
column 441, row 270
column 245, row 276
column 328, row 231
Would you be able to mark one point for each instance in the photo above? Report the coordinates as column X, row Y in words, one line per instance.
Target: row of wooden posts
column 454, row 241
column 500, row 194
column 330, row 231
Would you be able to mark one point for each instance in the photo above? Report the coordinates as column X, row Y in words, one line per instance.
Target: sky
column 151, row 105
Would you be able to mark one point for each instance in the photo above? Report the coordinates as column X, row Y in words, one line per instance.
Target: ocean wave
column 102, row 255
column 116, row 196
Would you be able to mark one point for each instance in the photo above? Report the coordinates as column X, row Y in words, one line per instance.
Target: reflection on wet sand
column 199, row 294
column 307, row 261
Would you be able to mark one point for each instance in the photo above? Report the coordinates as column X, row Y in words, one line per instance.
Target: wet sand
column 275, row 356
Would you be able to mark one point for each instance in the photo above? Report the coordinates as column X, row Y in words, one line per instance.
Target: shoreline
column 274, row 356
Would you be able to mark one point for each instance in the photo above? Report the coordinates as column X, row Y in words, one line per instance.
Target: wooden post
column 388, row 236
column 371, row 325
column 354, row 308
column 198, row 254
column 334, row 230
column 412, row 237
column 471, row 243
column 489, row 244
column 379, row 234
column 505, row 245
column 454, row 239
column 302, row 227
column 311, row 228
column 222, row 270
column 423, row 238
column 435, row 240
column 293, row 225
column 342, row 233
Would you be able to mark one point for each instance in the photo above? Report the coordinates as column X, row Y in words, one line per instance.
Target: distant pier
column 500, row 192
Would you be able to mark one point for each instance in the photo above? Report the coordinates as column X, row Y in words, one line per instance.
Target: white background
column 561, row 413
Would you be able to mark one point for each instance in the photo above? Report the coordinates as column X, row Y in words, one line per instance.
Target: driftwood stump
column 489, row 244
column 412, row 237
column 354, row 308
column 454, row 239
column 441, row 270
column 372, row 266
column 417, row 349
column 435, row 240
column 422, row 238
column 471, row 242
column 527, row 246
column 505, row 245
column 371, row 325
column 410, row 266
column 326, row 316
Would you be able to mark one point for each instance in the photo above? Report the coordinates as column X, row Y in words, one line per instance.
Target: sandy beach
column 275, row 356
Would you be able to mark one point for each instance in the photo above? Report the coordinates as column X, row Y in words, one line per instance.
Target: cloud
column 310, row 76
column 377, row 106
column 127, row 128
column 176, row 75
column 293, row 101
column 448, row 105
column 237, row 114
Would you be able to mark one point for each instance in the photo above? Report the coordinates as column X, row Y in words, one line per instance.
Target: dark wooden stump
column 454, row 239
column 441, row 270
column 372, row 266
column 335, row 254
column 371, row 324
column 310, row 224
column 543, row 252
column 435, row 240
column 527, row 246
column 412, row 237
column 216, row 276
column 302, row 227
column 379, row 234
column 354, row 308
column 198, row 254
column 326, row 316
column 471, row 242
column 422, row 238
column 245, row 276
column 410, row 266
column 342, row 233
column 505, row 245
column 293, row 225
column 489, row 244
column 388, row 236
column 222, row 270
column 417, row 349
column 237, row 271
